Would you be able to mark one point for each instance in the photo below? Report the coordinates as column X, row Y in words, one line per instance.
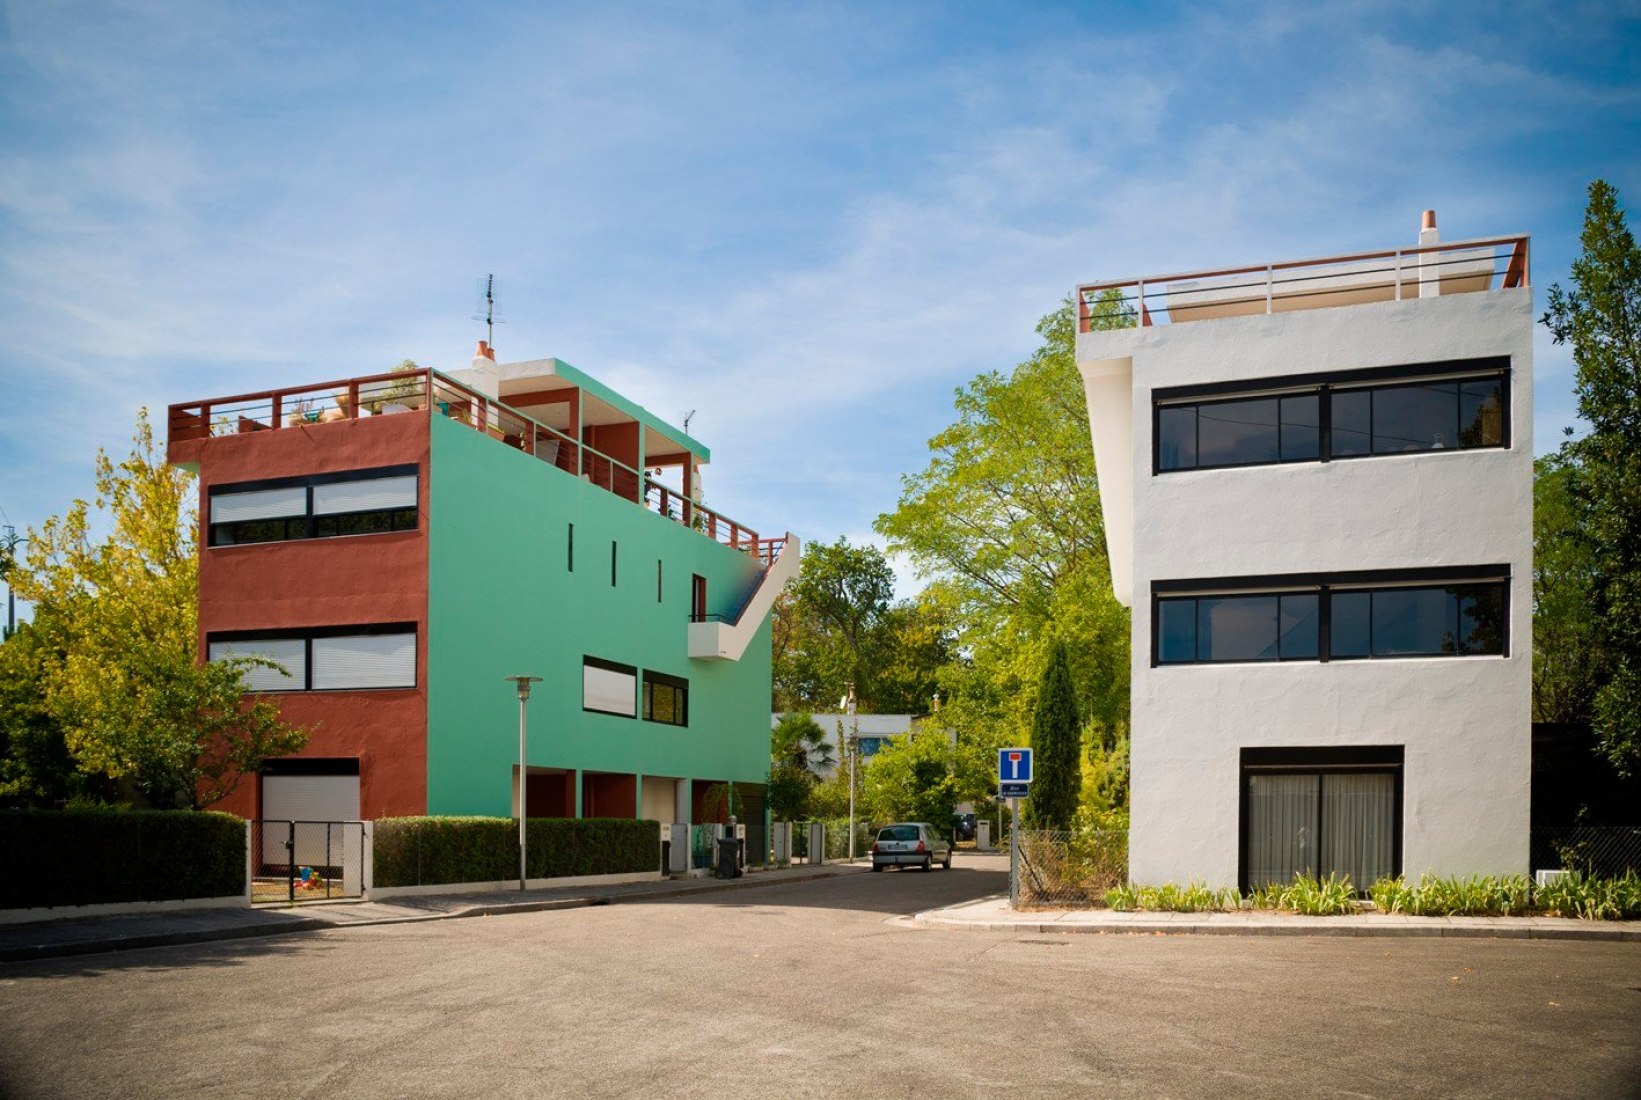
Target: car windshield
column 899, row 832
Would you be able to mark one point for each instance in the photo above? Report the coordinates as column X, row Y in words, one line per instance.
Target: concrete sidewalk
column 994, row 915
column 92, row 935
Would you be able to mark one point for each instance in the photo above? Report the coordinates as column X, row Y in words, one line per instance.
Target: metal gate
column 297, row 861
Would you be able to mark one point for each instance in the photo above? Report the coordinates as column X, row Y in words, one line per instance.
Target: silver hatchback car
column 911, row 844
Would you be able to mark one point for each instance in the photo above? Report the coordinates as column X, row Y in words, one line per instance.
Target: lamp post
column 849, row 707
column 523, row 683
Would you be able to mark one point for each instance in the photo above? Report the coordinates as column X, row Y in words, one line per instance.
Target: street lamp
column 849, row 707
column 523, row 683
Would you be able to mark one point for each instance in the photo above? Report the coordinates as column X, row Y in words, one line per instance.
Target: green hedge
column 434, row 851
column 91, row 857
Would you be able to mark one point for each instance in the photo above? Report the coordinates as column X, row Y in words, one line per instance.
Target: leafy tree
column 913, row 778
column 837, row 625
column 798, row 741
column 1005, row 524
column 1601, row 318
column 123, row 680
column 789, row 789
column 36, row 769
column 1056, row 737
column 1566, row 648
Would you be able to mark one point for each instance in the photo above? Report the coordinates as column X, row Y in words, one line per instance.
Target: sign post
column 1014, row 773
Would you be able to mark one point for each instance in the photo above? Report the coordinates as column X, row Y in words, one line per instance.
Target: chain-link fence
column 1607, row 852
column 1069, row 870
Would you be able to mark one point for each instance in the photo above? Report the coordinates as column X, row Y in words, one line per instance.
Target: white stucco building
column 1317, row 485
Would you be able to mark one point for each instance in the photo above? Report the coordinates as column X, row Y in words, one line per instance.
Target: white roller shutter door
column 364, row 661
column 259, row 504
column 290, row 652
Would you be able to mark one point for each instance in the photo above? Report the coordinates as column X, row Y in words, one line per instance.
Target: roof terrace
column 545, row 408
column 1427, row 270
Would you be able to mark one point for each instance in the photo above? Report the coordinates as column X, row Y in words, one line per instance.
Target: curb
column 1365, row 928
column 34, row 952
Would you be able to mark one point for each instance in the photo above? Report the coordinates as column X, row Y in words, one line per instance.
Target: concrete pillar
column 685, row 803
column 577, row 774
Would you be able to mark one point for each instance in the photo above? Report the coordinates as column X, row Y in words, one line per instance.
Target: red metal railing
column 427, row 391
column 1388, row 275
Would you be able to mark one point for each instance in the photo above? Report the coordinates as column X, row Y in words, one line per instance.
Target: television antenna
column 487, row 312
column 688, row 417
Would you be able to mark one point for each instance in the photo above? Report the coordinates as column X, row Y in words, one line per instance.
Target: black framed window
column 1311, row 617
column 608, row 687
column 338, row 658
column 1430, row 407
column 357, row 502
column 666, row 699
column 1320, row 811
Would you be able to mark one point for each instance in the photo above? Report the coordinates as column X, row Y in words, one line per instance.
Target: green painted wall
column 502, row 601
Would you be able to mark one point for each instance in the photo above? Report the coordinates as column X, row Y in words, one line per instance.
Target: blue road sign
column 1014, row 765
column 1013, row 790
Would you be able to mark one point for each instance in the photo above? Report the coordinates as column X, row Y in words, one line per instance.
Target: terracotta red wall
column 328, row 582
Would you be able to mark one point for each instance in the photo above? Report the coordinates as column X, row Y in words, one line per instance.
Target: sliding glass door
column 1318, row 819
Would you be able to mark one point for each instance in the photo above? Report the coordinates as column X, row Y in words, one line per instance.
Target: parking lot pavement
column 820, row 989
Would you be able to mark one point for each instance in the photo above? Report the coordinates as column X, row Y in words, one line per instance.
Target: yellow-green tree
column 122, row 681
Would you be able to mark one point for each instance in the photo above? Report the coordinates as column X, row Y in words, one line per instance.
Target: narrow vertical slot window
column 657, row 580
column 569, row 549
column 612, row 563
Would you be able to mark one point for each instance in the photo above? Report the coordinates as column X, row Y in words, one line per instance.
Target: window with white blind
column 609, row 688
column 335, row 659
column 358, row 502
column 292, row 653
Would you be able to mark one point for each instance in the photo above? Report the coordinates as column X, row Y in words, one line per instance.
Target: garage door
column 308, row 798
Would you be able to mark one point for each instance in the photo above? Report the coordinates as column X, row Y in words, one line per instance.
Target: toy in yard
column 308, row 879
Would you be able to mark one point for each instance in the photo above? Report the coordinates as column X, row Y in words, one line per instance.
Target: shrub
column 92, row 857
column 1328, row 897
column 1433, row 896
column 428, row 851
column 1168, row 898
column 1578, row 895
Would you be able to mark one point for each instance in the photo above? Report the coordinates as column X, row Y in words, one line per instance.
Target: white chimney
column 486, row 378
column 1430, row 270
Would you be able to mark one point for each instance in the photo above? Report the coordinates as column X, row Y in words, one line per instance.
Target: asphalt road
column 815, row 989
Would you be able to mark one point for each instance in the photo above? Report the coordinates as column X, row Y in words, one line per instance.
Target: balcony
column 425, row 392
column 1429, row 270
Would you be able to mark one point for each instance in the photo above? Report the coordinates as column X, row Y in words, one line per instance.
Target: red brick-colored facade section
column 348, row 581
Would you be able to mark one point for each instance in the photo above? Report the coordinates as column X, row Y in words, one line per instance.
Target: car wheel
column 928, row 863
column 947, row 866
column 877, row 866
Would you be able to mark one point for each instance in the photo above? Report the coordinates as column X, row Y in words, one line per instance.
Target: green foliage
column 1005, row 524
column 36, row 769
column 120, row 676
column 789, row 789
column 1055, row 735
column 1169, row 898
column 1566, row 636
column 830, row 797
column 1074, row 868
column 798, row 740
column 1578, row 895
column 93, row 857
column 1306, row 894
column 1477, row 895
column 837, row 625
column 912, row 779
column 427, row 851
column 1601, row 318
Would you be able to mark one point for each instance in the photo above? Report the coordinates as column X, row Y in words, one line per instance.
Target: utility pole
column 8, row 565
column 850, row 707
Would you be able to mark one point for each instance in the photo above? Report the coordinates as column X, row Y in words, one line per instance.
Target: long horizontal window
column 360, row 502
column 1430, row 613
column 335, row 659
column 1436, row 407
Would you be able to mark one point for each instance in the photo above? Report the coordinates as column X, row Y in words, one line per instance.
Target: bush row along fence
column 441, row 851
column 95, row 857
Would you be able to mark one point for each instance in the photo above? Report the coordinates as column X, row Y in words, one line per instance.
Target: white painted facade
column 1463, row 722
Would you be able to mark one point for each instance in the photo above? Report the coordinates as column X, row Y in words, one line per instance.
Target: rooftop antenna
column 687, row 419
column 488, row 313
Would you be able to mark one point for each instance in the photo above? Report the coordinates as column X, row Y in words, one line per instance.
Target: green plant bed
column 1168, row 898
column 99, row 857
column 436, row 851
column 1572, row 895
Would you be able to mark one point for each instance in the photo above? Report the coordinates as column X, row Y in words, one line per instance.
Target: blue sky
column 808, row 222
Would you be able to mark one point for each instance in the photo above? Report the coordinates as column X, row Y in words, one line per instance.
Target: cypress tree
column 1056, row 739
